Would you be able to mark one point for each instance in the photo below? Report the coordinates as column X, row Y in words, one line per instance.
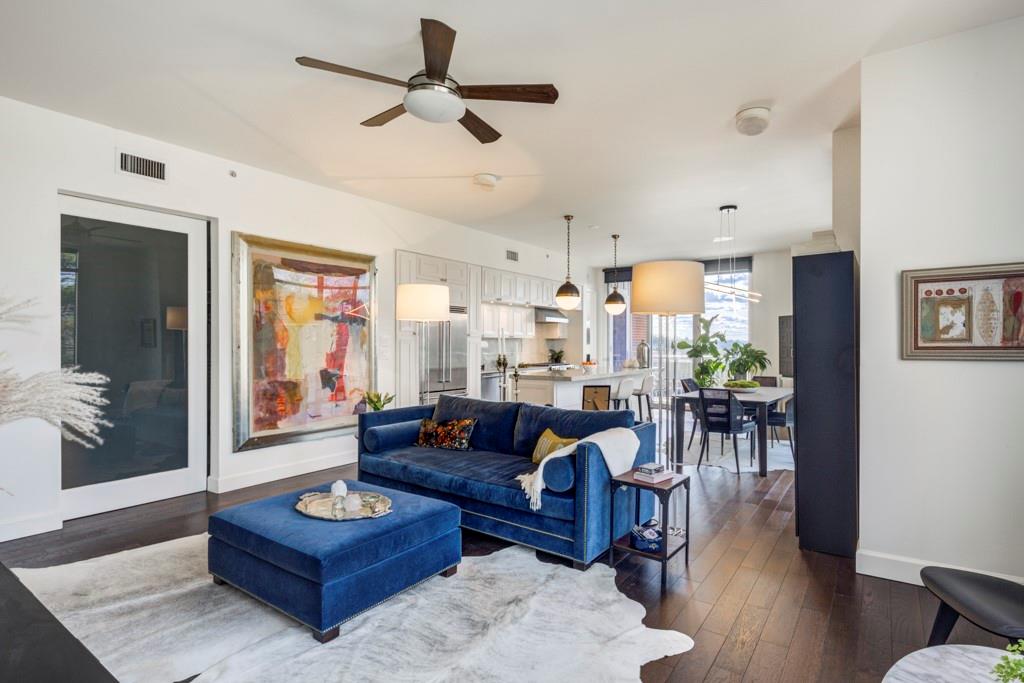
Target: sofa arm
column 387, row 417
column 593, row 496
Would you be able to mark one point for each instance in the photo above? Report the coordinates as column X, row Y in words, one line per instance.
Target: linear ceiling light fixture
column 727, row 233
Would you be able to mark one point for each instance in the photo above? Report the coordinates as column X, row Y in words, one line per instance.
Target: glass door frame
column 114, row 495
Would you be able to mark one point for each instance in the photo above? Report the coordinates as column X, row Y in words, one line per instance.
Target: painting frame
column 244, row 437
column 913, row 346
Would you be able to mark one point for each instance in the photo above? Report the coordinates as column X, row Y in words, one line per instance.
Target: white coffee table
column 946, row 664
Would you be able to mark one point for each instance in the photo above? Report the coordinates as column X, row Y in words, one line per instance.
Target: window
column 733, row 313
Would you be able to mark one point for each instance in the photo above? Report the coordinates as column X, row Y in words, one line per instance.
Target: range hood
column 549, row 315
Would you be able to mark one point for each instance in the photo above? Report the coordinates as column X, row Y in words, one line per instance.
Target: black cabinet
column 825, row 354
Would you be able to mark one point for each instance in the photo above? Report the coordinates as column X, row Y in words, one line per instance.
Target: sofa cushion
column 578, row 424
column 560, row 473
column 321, row 551
column 548, row 443
column 452, row 435
column 385, row 437
column 486, row 476
column 496, row 421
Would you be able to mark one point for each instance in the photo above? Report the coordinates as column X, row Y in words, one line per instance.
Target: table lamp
column 423, row 304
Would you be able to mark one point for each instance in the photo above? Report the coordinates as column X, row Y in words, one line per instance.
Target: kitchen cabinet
column 490, row 284
column 458, row 295
column 507, row 283
column 473, row 307
column 517, row 322
column 530, row 324
column 490, row 320
column 522, row 289
column 536, row 292
column 549, row 293
column 456, row 272
column 432, row 269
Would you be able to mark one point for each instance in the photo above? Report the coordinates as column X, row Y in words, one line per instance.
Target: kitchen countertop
column 581, row 376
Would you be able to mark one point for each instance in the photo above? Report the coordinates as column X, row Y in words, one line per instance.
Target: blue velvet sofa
column 575, row 514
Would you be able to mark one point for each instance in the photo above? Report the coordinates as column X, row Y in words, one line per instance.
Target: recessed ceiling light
column 723, row 238
column 753, row 120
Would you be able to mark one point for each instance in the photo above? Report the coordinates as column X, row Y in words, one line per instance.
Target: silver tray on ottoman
column 320, row 504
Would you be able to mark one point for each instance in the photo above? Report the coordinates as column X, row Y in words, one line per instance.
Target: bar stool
column 623, row 392
column 646, row 387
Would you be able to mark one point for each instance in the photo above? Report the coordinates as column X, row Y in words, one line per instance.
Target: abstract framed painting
column 965, row 313
column 303, row 330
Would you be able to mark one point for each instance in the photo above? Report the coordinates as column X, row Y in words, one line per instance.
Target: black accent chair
column 766, row 380
column 991, row 603
column 723, row 414
column 784, row 418
column 690, row 384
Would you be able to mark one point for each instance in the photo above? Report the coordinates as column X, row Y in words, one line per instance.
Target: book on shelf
column 652, row 478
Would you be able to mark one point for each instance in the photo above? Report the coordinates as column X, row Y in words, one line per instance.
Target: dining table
column 762, row 400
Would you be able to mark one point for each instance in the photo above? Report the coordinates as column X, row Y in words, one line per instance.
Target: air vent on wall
column 511, row 255
column 142, row 166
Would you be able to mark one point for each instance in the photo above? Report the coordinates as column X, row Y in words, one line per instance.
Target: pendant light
column 615, row 303
column 727, row 233
column 568, row 295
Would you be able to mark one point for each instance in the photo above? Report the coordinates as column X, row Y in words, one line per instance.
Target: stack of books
column 652, row 473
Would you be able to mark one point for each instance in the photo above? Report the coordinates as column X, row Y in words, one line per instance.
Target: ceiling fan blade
column 438, row 41
column 479, row 128
column 348, row 71
column 385, row 116
column 540, row 93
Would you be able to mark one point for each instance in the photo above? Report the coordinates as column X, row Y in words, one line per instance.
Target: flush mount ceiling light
column 753, row 120
column 568, row 295
column 433, row 101
column 615, row 303
column 727, row 233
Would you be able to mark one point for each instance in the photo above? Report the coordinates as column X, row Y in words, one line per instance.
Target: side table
column 670, row 544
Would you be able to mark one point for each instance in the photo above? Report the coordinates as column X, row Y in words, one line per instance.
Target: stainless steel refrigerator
column 446, row 371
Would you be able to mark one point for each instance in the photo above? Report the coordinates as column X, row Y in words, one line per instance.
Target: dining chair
column 596, row 396
column 690, row 384
column 766, row 380
column 723, row 414
column 644, row 392
column 784, row 418
column 623, row 393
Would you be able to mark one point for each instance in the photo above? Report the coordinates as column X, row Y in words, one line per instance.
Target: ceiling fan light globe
column 434, row 103
column 568, row 296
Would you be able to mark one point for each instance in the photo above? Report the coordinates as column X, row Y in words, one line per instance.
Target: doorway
column 133, row 307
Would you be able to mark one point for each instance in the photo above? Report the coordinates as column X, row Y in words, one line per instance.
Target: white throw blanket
column 618, row 445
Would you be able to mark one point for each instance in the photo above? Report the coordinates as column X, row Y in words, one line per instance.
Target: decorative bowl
column 320, row 504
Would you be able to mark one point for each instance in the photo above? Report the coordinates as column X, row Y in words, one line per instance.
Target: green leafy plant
column 1011, row 667
column 556, row 355
column 742, row 359
column 740, row 384
column 377, row 400
column 705, row 352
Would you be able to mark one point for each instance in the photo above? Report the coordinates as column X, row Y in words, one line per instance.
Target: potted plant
column 377, row 401
column 1011, row 667
column 742, row 359
column 705, row 353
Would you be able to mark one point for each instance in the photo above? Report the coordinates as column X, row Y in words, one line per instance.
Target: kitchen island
column 564, row 388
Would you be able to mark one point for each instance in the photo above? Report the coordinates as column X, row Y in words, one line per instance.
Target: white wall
column 942, row 171
column 43, row 152
column 846, row 188
column 772, row 276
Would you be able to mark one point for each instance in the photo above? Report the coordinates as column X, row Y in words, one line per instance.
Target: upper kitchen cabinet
column 537, row 292
column 508, row 287
column 432, row 269
column 522, row 289
column 490, row 284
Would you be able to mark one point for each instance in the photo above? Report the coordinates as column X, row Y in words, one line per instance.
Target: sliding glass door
column 133, row 307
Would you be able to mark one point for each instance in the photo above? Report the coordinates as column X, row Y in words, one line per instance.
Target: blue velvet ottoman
column 323, row 573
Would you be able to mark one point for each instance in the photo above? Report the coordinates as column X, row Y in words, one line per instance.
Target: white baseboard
column 908, row 569
column 30, row 525
column 291, row 469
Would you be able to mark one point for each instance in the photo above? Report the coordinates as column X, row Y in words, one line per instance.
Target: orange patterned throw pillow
column 452, row 435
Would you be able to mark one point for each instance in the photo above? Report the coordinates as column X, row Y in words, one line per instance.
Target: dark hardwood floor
column 758, row 608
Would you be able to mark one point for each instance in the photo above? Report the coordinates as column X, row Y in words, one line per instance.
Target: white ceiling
column 640, row 142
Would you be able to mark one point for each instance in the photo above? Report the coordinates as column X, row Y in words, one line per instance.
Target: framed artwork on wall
column 303, row 331
column 965, row 313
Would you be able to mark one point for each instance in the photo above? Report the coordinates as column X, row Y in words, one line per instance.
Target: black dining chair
column 766, row 380
column 722, row 413
column 596, row 396
column 784, row 418
column 689, row 384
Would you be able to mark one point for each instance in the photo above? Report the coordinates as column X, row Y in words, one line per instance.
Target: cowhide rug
column 153, row 614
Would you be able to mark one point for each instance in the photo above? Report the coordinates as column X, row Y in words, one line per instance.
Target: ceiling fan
column 433, row 95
